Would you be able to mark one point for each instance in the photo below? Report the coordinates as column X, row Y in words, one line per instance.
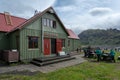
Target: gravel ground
column 31, row 69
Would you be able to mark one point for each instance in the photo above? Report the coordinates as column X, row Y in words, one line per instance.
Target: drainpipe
column 42, row 30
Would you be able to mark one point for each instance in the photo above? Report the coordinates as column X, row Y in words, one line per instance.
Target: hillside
column 100, row 37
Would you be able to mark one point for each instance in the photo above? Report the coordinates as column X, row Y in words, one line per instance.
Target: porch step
column 50, row 58
column 51, row 61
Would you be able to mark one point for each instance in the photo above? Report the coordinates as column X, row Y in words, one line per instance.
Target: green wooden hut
column 42, row 35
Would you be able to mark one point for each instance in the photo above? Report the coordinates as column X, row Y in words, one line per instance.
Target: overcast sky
column 77, row 15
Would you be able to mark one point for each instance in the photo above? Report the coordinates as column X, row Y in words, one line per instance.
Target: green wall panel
column 12, row 39
column 74, row 44
column 33, row 29
column 27, row 53
column 4, row 41
column 36, row 25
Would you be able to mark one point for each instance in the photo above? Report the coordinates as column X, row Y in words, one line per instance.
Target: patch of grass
column 85, row 71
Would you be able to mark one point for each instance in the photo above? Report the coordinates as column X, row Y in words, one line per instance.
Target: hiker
column 77, row 50
column 89, row 52
column 85, row 52
column 112, row 55
column 99, row 53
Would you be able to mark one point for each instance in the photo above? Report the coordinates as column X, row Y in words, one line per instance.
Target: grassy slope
column 85, row 71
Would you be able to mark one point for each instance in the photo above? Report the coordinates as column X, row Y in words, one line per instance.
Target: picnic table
column 106, row 57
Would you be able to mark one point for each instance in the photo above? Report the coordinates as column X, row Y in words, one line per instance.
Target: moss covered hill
column 100, row 37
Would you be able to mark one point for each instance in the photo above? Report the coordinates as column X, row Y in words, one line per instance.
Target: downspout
column 42, row 30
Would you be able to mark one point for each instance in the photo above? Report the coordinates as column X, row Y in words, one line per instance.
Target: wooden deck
column 51, row 60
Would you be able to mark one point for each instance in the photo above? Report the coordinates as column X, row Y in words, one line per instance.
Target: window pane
column 54, row 24
column 33, row 42
column 48, row 23
column 44, row 22
column 30, row 43
column 51, row 23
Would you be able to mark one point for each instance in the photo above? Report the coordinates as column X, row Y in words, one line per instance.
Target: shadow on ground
column 3, row 64
column 95, row 60
column 28, row 73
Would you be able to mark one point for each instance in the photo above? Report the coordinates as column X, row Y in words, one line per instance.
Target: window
column 51, row 23
column 68, row 42
column 63, row 42
column 54, row 24
column 33, row 42
column 48, row 22
column 45, row 22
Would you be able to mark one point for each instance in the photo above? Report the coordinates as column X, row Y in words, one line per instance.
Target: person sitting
column 112, row 55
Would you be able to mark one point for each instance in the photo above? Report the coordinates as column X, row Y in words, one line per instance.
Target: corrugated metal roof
column 72, row 34
column 16, row 21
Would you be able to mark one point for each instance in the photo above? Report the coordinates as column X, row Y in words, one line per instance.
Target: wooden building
column 42, row 35
column 73, row 41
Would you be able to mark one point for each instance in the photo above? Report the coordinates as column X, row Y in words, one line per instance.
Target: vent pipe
column 8, row 18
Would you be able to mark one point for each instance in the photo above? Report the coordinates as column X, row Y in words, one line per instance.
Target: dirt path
column 44, row 69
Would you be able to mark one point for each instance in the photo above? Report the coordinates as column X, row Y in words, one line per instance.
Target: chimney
column 36, row 12
column 8, row 18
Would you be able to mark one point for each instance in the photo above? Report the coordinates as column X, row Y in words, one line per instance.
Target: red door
column 46, row 46
column 58, row 45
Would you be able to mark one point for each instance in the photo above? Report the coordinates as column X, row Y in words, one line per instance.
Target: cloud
column 80, row 15
column 24, row 8
column 78, row 23
column 64, row 3
column 66, row 8
column 43, row 4
column 15, row 7
column 77, row 15
column 108, row 21
column 100, row 11
column 88, row 14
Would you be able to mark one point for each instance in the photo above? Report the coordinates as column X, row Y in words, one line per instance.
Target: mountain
column 100, row 37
